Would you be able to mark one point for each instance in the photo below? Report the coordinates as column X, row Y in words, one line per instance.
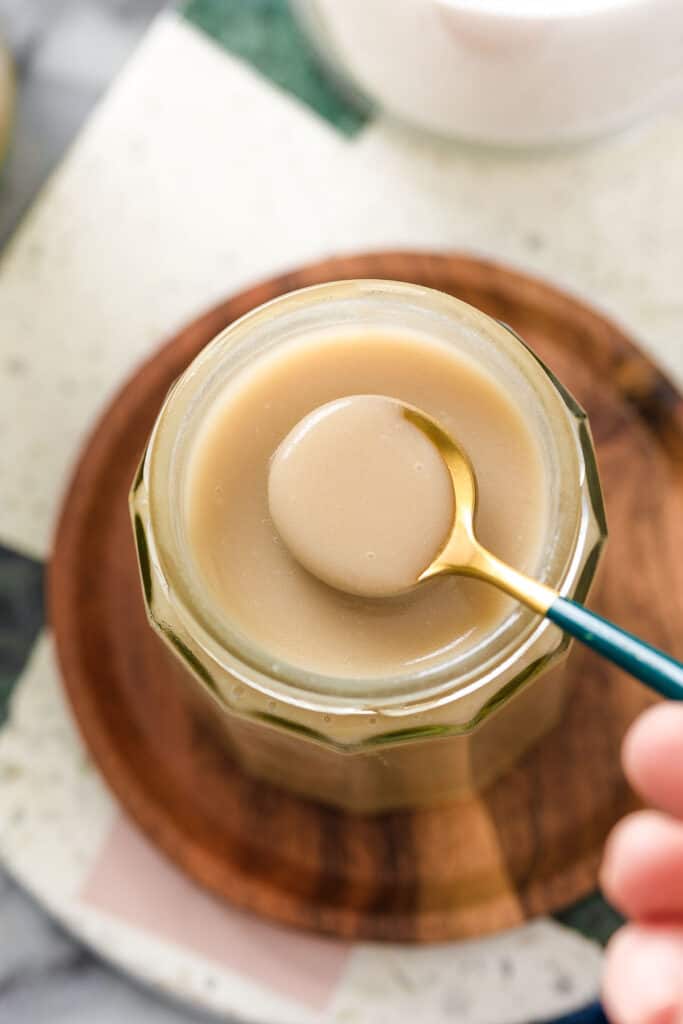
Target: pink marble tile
column 133, row 882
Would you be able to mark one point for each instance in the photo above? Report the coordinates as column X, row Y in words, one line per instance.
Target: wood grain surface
column 531, row 844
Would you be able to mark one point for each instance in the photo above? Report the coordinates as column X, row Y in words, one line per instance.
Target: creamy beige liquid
column 256, row 582
column 360, row 496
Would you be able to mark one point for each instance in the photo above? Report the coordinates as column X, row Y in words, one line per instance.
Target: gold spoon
column 463, row 555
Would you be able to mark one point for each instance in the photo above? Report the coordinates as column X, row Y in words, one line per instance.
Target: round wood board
column 531, row 843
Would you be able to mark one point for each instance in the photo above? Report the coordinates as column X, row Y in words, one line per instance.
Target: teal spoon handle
column 658, row 670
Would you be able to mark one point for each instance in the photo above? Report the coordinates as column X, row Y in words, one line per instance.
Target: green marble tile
column 593, row 917
column 266, row 34
column 21, row 617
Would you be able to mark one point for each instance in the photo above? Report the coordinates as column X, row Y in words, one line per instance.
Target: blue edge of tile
column 591, row 1014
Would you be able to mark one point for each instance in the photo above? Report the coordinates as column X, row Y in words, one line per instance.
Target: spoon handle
column 661, row 672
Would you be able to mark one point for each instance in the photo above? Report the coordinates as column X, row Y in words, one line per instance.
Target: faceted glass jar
column 426, row 735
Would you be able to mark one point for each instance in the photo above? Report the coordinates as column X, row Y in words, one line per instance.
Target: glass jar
column 431, row 734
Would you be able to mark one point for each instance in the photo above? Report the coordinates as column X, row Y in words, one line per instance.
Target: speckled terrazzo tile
column 111, row 888
column 602, row 220
column 195, row 177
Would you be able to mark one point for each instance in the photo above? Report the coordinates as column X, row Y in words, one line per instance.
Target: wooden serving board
column 531, row 844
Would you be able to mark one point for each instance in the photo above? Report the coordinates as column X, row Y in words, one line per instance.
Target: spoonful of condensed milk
column 360, row 496
column 373, row 497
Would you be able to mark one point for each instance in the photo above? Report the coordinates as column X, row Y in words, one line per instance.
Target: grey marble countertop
column 46, row 977
column 65, row 52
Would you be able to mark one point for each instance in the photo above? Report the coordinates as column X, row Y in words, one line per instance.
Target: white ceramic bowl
column 515, row 72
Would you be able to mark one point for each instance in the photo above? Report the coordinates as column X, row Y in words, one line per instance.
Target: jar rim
column 426, row 687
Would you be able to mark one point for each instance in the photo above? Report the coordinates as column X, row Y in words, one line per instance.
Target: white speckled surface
column 154, row 214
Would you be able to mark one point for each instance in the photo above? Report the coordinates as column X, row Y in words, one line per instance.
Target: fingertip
column 642, row 980
column 612, row 859
column 627, row 846
column 651, row 751
column 640, row 872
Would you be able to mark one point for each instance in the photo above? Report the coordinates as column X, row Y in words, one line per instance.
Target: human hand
column 642, row 875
